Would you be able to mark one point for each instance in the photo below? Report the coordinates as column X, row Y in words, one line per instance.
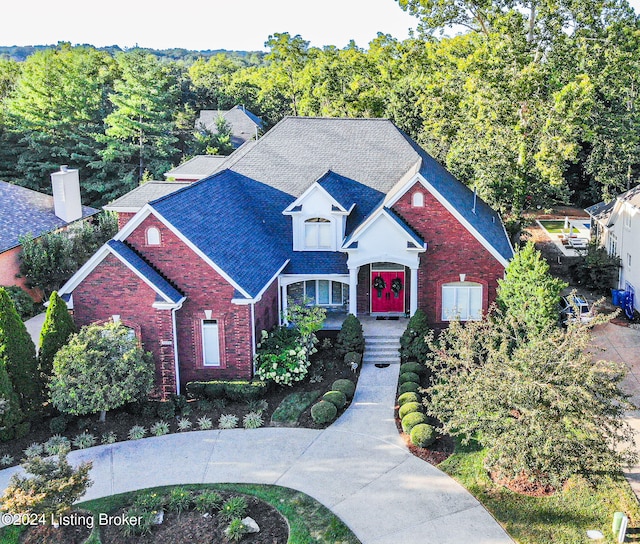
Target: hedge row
column 233, row 390
column 326, row 410
column 410, row 411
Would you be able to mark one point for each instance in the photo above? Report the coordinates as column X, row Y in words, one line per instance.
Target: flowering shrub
column 281, row 358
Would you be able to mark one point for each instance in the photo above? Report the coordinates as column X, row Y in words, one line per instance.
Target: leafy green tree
column 529, row 293
column 308, row 320
column 218, row 142
column 18, row 357
column 58, row 326
column 139, row 134
column 23, row 302
column 542, row 407
column 57, row 110
column 49, row 488
column 596, row 270
column 101, row 368
column 49, row 261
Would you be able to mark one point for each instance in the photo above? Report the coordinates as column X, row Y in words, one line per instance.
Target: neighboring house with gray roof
column 349, row 214
column 245, row 126
column 199, row 167
column 616, row 224
column 25, row 212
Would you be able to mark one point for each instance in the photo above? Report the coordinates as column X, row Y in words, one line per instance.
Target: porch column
column 353, row 290
column 413, row 295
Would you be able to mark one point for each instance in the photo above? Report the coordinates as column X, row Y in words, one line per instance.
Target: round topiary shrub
column 408, row 377
column 409, row 407
column 408, row 387
column 411, row 420
column 423, row 435
column 323, row 412
column 412, row 367
column 410, row 396
column 346, row 386
column 337, row 398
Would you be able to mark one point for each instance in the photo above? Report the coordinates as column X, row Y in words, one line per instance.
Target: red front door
column 387, row 292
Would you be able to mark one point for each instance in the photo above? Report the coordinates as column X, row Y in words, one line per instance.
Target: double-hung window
column 317, row 233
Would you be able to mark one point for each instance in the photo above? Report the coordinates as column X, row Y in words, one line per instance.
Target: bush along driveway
column 358, row 468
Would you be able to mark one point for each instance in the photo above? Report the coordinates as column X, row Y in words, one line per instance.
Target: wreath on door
column 379, row 284
column 396, row 286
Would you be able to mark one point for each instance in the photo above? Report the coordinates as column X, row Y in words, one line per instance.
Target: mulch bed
column 65, row 534
column 192, row 527
column 440, row 450
column 325, row 364
column 523, row 486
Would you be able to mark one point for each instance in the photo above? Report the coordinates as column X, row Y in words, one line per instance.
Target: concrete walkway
column 358, row 468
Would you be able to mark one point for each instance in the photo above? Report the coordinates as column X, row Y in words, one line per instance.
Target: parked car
column 575, row 307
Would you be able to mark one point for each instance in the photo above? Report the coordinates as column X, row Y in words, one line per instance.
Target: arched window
column 417, row 199
column 461, row 300
column 153, row 236
column 317, row 233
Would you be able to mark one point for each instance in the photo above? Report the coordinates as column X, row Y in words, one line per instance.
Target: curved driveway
column 358, row 468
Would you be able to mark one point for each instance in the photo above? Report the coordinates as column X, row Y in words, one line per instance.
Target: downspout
column 253, row 339
column 175, row 347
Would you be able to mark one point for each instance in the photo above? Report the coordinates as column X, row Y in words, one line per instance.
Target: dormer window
column 153, row 236
column 317, row 233
column 417, row 199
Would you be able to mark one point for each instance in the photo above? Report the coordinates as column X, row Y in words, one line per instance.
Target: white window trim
column 204, row 325
column 331, row 282
column 471, row 286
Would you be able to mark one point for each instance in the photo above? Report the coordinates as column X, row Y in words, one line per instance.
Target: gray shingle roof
column 151, row 190
column 243, row 123
column 199, row 167
column 298, row 151
column 23, row 211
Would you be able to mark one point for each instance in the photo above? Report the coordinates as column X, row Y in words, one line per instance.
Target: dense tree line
column 535, row 103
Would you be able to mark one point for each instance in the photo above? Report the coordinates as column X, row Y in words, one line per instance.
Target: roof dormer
column 319, row 218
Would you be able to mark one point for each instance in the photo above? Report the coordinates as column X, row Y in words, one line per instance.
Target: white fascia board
column 451, row 209
column 288, row 279
column 370, row 220
column 258, row 297
column 84, row 270
column 147, row 210
column 315, row 185
column 169, row 305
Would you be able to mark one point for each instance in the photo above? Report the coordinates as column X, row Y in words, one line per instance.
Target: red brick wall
column 205, row 289
column 113, row 289
column 123, row 219
column 452, row 250
column 266, row 310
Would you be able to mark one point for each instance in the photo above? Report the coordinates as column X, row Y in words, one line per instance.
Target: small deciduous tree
column 542, row 407
column 58, row 326
column 529, row 292
column 596, row 270
column 18, row 356
column 308, row 319
column 50, row 487
column 101, row 368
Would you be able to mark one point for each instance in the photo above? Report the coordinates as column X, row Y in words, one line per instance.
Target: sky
column 200, row 24
column 203, row 24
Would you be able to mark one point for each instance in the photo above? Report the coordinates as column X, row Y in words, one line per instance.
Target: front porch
column 372, row 326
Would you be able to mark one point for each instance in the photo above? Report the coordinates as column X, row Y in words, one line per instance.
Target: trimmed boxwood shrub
column 409, row 407
column 350, row 337
column 346, row 386
column 323, row 412
column 409, row 387
column 412, row 342
column 413, row 367
column 214, row 390
column 337, row 398
column 410, row 396
column 411, row 420
column 423, row 435
column 409, row 377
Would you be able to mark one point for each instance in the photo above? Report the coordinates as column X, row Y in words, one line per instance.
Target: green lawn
column 556, row 227
column 562, row 518
column 309, row 521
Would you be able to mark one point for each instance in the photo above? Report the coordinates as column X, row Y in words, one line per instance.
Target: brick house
column 350, row 213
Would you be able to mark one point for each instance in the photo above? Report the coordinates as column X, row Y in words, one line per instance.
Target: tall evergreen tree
column 528, row 293
column 18, row 356
column 58, row 326
column 139, row 134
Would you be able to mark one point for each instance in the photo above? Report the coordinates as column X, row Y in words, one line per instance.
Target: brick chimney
column 66, row 194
